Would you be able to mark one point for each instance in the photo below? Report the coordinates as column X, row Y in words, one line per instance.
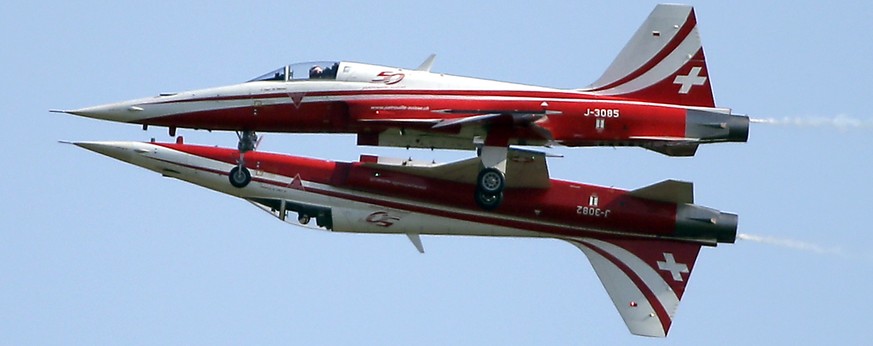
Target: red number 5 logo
column 389, row 77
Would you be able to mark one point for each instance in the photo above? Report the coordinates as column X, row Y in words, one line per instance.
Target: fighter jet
column 642, row 243
column 657, row 94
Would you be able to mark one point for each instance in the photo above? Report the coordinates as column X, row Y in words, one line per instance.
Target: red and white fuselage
column 422, row 202
column 650, row 236
column 642, row 243
column 657, row 94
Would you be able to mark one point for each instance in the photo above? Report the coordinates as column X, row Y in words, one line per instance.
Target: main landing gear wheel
column 239, row 177
column 303, row 219
column 490, row 181
column 488, row 201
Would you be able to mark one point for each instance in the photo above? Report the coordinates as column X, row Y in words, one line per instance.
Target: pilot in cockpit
column 316, row 72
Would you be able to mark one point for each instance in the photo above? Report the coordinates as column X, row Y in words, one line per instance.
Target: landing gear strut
column 248, row 140
column 240, row 176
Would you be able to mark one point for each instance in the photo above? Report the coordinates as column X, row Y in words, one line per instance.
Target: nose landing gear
column 239, row 176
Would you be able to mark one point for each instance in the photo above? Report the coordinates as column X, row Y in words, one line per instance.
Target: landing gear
column 489, row 188
column 240, row 176
column 488, row 201
column 248, row 140
column 492, row 178
column 303, row 219
column 490, row 181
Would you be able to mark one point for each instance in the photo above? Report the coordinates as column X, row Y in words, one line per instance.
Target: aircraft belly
column 355, row 217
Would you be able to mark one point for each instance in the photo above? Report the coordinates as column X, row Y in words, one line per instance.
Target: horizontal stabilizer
column 644, row 278
column 665, row 139
column 675, row 149
column 673, row 191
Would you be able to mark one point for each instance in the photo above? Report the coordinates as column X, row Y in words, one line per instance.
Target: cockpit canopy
column 324, row 70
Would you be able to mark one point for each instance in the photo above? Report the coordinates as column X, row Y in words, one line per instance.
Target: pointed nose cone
column 127, row 111
column 118, row 150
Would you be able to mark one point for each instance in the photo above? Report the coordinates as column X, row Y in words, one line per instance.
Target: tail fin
column 644, row 278
column 671, row 191
column 663, row 62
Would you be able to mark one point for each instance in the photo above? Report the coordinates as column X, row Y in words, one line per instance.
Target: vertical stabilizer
column 663, row 62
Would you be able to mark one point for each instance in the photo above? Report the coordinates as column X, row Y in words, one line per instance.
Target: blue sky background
column 93, row 251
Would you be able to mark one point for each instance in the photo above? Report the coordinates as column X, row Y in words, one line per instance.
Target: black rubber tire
column 303, row 219
column 488, row 201
column 239, row 177
column 490, row 181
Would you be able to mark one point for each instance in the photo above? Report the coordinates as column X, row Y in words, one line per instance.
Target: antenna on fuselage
column 426, row 65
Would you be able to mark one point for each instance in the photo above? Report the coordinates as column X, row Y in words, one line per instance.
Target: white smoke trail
column 841, row 122
column 795, row 244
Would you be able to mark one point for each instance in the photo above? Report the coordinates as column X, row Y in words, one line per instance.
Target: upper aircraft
column 657, row 94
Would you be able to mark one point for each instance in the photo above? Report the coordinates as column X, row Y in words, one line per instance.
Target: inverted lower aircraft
column 642, row 243
column 657, row 94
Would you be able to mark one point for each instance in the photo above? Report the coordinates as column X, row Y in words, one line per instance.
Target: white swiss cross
column 693, row 78
column 675, row 269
